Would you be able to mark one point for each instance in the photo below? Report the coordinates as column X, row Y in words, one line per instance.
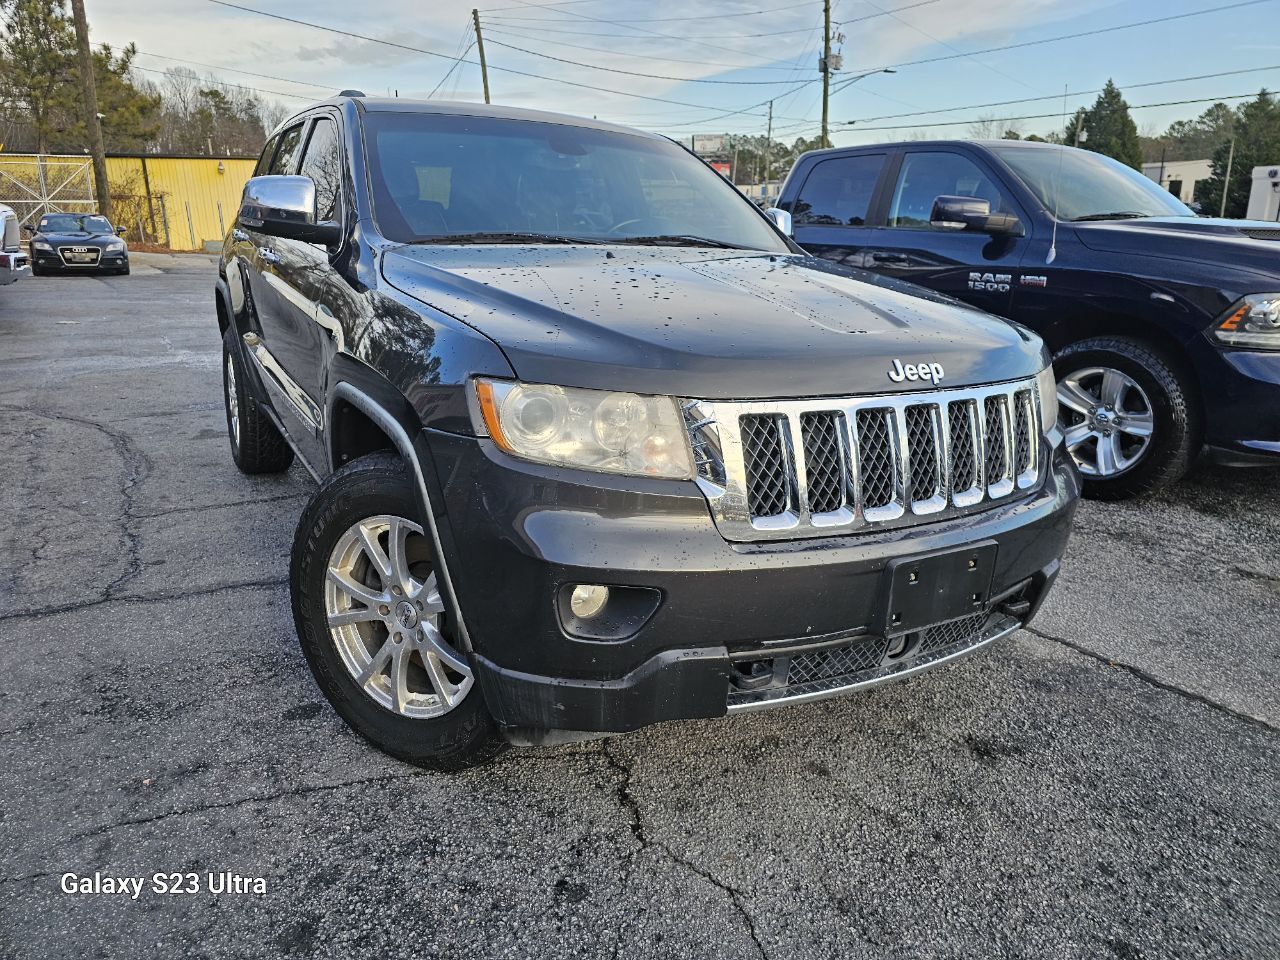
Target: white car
column 13, row 262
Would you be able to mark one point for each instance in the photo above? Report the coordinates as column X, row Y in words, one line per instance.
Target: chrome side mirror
column 781, row 219
column 285, row 207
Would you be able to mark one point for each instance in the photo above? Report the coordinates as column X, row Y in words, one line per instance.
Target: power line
column 436, row 53
column 1077, row 36
column 705, row 16
column 633, row 73
column 238, row 86
column 1055, row 96
column 502, row 32
column 1056, row 115
column 558, row 3
column 247, row 73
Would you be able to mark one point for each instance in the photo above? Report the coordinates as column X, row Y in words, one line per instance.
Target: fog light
column 588, row 599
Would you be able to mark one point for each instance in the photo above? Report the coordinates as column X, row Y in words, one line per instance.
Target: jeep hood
column 1244, row 244
column 713, row 324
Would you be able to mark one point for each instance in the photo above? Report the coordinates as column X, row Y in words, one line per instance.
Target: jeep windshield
column 1080, row 185
column 439, row 178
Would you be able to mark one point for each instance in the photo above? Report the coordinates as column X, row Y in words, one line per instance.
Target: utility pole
column 768, row 147
column 484, row 67
column 1226, row 181
column 826, row 67
column 90, row 93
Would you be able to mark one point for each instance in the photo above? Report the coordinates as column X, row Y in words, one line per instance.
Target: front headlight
column 589, row 429
column 1253, row 322
column 115, row 246
column 40, row 245
column 1047, row 386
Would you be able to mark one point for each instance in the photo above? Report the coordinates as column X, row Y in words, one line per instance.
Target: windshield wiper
column 1118, row 215
column 679, row 240
column 530, row 238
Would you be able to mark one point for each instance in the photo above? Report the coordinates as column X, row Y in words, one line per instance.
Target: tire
column 38, row 271
column 1110, row 390
column 355, row 664
column 123, row 271
column 256, row 444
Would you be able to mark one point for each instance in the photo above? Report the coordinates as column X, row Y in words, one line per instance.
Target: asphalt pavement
column 1105, row 784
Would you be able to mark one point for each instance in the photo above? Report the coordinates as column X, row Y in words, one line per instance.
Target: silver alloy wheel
column 385, row 614
column 1106, row 419
column 233, row 402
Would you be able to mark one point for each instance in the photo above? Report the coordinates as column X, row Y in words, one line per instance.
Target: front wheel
column 1126, row 415
column 373, row 623
column 257, row 446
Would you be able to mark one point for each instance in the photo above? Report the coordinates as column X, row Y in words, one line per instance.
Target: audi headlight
column 1047, row 387
column 1253, row 322
column 115, row 245
column 589, row 429
column 40, row 245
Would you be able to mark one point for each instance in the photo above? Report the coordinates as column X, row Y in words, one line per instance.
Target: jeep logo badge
column 900, row 371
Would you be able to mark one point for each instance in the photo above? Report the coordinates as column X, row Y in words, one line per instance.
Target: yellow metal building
column 184, row 203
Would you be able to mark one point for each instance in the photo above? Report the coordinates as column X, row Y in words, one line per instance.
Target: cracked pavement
column 1104, row 784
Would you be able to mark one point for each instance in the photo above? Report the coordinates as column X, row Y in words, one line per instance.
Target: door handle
column 239, row 236
column 269, row 256
column 897, row 258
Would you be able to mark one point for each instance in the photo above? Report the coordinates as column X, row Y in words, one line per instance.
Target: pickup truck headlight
column 1253, row 322
column 590, row 429
column 40, row 245
column 1047, row 386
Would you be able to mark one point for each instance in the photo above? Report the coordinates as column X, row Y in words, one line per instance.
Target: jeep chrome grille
column 803, row 468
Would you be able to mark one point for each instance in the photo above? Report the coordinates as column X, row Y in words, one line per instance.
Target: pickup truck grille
column 804, row 468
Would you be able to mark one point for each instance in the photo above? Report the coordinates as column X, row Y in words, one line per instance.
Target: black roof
column 463, row 108
column 1031, row 144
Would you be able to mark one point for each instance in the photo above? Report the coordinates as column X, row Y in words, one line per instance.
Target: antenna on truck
column 1057, row 184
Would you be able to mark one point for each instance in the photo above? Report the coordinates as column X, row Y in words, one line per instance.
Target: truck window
column 926, row 176
column 287, row 152
column 838, row 191
column 264, row 161
column 323, row 164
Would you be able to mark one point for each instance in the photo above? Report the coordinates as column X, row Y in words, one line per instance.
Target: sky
column 682, row 67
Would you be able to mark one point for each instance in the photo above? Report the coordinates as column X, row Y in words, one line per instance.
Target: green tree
column 37, row 67
column 1256, row 129
column 1110, row 129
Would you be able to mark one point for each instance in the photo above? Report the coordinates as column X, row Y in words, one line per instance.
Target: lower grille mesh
column 861, row 655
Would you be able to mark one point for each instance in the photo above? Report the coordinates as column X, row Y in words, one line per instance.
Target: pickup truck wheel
column 256, row 444
column 1126, row 417
column 373, row 624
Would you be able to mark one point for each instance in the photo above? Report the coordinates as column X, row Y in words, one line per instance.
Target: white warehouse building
column 1179, row 177
column 1264, row 195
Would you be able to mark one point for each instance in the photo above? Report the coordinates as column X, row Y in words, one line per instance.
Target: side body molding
column 404, row 445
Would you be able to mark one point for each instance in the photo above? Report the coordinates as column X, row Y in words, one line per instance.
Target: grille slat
column 802, row 468
column 1022, row 428
column 964, row 465
column 922, row 442
column 768, row 493
column 876, row 458
column 826, row 465
column 996, row 455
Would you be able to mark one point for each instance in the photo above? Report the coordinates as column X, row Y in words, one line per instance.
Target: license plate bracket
column 934, row 587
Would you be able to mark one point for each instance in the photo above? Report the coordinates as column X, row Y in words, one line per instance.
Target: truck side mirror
column 781, row 219
column 285, row 207
column 973, row 213
column 28, row 231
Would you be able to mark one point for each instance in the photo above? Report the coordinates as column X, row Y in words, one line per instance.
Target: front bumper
column 52, row 262
column 13, row 267
column 1241, row 390
column 517, row 533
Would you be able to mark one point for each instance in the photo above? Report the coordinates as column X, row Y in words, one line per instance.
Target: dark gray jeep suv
column 598, row 446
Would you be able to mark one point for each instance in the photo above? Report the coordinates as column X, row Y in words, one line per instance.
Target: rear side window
column 926, row 176
column 323, row 164
column 286, row 152
column 838, row 191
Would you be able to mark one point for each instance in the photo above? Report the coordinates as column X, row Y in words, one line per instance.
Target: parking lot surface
column 1106, row 784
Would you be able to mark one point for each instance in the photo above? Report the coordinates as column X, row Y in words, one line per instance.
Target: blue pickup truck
column 1165, row 326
